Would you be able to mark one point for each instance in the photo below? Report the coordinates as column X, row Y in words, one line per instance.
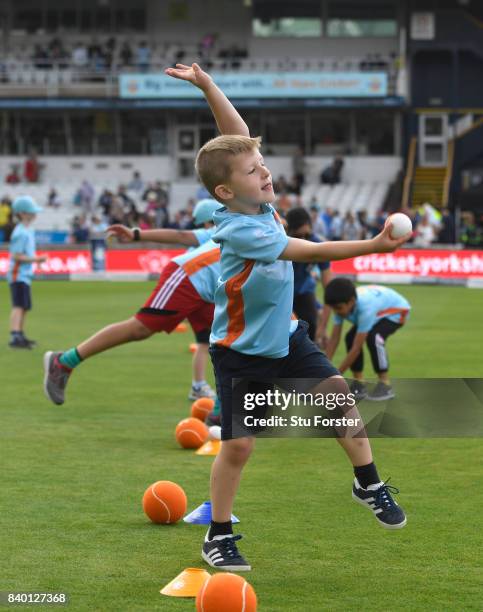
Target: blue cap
column 25, row 204
column 204, row 209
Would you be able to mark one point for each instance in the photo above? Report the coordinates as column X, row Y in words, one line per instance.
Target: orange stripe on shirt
column 15, row 270
column 236, row 307
column 201, row 261
column 403, row 312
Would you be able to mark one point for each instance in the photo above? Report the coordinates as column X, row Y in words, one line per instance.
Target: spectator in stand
column 470, row 234
column 80, row 230
column 79, row 57
column 351, row 229
column 326, row 217
column 5, row 219
column 143, row 57
column 157, row 209
column 332, row 174
column 293, row 187
column 13, row 177
column 299, row 166
column 131, row 215
column 136, row 183
column 105, row 201
column 318, row 226
column 336, row 226
column 125, row 54
column 116, row 211
column 447, row 233
column 284, row 204
column 40, row 57
column 366, row 228
column 280, row 185
column 161, row 193
column 424, row 233
column 31, row 169
column 53, row 199
column 86, row 196
column 122, row 194
column 147, row 220
column 380, row 221
column 179, row 220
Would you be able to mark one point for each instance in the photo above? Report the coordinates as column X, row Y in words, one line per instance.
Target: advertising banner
column 417, row 264
column 261, row 85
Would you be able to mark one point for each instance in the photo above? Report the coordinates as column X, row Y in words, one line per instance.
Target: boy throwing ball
column 253, row 334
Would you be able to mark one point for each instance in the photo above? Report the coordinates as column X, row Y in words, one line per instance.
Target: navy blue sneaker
column 378, row 498
column 221, row 553
column 358, row 389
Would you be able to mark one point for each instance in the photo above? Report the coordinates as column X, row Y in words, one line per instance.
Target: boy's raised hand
column 384, row 243
column 194, row 74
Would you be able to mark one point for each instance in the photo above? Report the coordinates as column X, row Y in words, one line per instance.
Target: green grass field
column 73, row 476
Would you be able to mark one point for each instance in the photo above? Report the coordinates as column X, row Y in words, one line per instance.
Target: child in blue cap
column 20, row 273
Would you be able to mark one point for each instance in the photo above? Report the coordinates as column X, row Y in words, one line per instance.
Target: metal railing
column 54, row 78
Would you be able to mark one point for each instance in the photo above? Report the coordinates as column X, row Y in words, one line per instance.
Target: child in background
column 21, row 269
column 376, row 312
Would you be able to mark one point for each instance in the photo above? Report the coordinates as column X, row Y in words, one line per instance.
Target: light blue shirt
column 202, row 234
column 202, row 266
column 22, row 242
column 374, row 303
column 254, row 297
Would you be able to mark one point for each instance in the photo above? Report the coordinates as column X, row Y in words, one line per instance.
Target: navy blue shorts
column 21, row 296
column 304, row 360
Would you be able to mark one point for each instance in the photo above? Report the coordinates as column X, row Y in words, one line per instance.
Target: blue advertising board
column 261, row 85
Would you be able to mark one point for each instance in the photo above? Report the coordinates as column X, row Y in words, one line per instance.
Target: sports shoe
column 221, row 553
column 203, row 391
column 31, row 342
column 358, row 389
column 381, row 392
column 20, row 343
column 56, row 377
column 378, row 499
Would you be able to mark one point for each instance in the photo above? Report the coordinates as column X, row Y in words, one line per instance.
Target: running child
column 21, row 269
column 185, row 290
column 253, row 335
column 376, row 313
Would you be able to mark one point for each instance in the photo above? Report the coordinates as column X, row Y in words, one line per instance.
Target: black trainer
column 381, row 393
column 20, row 343
column 358, row 389
column 221, row 553
column 378, row 499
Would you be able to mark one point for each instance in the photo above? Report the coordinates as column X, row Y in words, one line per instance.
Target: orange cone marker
column 186, row 584
column 210, row 448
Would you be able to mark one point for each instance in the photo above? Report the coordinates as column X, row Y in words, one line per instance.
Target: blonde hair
column 213, row 159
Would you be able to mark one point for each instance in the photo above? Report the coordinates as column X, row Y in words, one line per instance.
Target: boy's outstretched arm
column 306, row 252
column 172, row 236
column 226, row 116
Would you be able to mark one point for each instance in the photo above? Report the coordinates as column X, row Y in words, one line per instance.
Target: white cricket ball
column 401, row 225
column 215, row 432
